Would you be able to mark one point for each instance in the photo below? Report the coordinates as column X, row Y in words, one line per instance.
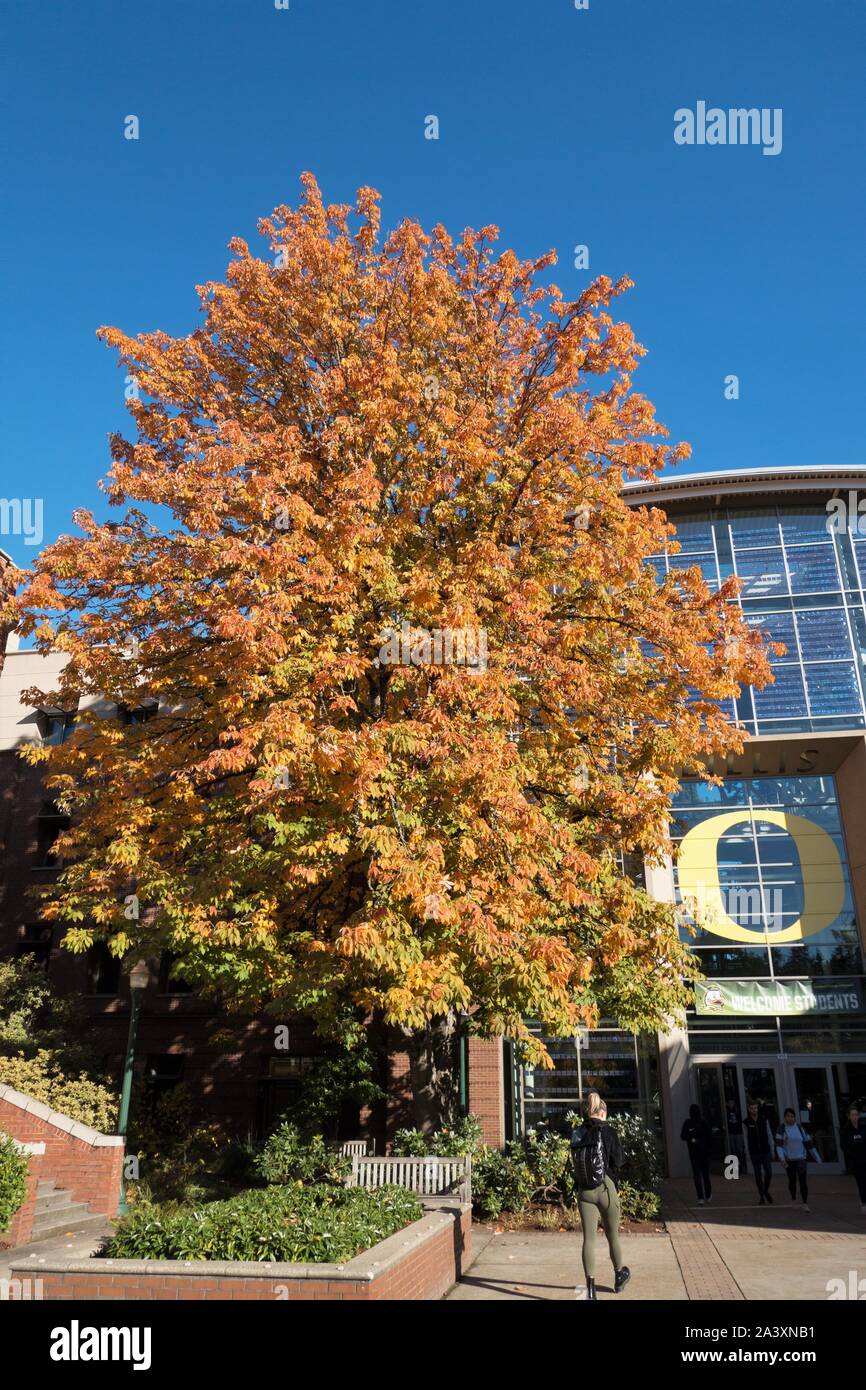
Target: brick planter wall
column 418, row 1263
column 71, row 1155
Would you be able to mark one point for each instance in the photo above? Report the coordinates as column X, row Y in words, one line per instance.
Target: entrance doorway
column 724, row 1087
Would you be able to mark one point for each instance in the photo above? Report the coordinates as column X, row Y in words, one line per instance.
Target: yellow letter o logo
column 823, row 885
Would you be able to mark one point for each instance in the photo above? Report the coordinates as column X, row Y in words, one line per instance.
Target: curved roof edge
column 798, row 479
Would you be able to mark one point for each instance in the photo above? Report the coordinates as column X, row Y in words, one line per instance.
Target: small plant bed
column 529, row 1184
column 318, row 1223
column 563, row 1219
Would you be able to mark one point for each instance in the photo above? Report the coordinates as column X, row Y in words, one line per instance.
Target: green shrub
column 177, row 1150
column 13, row 1180
column 319, row 1223
column 638, row 1205
column 34, row 1018
column 410, row 1143
column 642, row 1167
column 500, row 1182
column 460, row 1139
column 76, row 1096
column 287, row 1158
column 548, row 1155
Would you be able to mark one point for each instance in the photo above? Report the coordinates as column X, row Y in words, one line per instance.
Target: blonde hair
column 594, row 1107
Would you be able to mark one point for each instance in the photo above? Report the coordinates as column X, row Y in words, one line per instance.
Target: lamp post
column 581, row 1041
column 138, row 978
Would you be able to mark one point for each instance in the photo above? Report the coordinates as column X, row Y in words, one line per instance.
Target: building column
column 487, row 1088
column 850, row 781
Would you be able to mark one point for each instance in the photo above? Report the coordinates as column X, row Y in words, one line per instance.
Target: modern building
column 774, row 857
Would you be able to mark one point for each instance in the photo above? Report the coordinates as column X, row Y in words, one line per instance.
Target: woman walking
column 597, row 1156
column 792, row 1145
column 696, row 1134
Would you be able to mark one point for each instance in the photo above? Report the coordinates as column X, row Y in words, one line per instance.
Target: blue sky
column 555, row 123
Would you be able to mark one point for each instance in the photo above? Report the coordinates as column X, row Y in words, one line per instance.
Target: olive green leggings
column 595, row 1202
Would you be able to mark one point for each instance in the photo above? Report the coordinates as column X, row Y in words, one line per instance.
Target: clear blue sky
column 557, row 124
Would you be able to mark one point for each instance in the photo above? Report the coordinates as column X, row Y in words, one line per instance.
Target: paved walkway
column 730, row 1250
column 74, row 1245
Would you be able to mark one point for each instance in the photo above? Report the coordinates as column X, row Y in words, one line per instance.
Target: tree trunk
column 433, row 1069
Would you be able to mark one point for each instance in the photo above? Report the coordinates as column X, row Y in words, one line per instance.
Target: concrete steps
column 57, row 1214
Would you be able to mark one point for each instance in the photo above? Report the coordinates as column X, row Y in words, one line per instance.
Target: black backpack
column 587, row 1150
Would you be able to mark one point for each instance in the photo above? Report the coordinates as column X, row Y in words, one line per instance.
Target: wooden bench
column 359, row 1147
column 429, row 1176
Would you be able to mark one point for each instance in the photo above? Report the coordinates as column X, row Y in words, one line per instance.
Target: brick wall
column 486, row 1088
column 417, row 1264
column 73, row 1156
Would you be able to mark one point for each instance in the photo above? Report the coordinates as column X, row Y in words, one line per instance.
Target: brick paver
column 729, row 1251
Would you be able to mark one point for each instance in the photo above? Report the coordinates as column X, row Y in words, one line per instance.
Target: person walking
column 853, row 1136
column 759, row 1140
column 696, row 1134
column 735, row 1134
column 597, row 1157
column 792, row 1145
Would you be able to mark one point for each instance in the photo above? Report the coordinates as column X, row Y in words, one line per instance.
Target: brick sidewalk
column 730, row 1251
column 705, row 1274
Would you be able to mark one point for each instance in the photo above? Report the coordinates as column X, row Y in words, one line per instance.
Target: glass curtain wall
column 803, row 584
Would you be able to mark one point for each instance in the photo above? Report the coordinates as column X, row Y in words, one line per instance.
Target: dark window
column 103, row 970
column 170, row 983
column 54, row 726
column 163, row 1071
column 35, row 941
column 50, row 824
column 138, row 714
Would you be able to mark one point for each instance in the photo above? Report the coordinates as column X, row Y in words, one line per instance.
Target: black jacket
column 613, row 1155
column 854, row 1145
column 696, row 1133
column 759, row 1136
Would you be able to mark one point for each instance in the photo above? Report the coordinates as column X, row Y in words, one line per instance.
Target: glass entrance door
column 761, row 1084
column 816, row 1109
column 711, row 1102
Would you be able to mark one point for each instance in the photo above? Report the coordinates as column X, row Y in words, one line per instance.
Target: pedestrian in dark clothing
column 696, row 1134
column 597, row 1156
column 853, row 1136
column 735, row 1134
column 759, row 1140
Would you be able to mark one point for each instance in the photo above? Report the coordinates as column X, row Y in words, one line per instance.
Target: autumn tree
column 413, row 691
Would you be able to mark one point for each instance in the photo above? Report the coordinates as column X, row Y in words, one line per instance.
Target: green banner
column 752, row 998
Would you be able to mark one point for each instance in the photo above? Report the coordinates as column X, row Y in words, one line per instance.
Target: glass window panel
column 733, row 962
column 762, row 573
column 785, row 697
column 776, row 627
column 804, row 523
column 833, row 688
column 757, row 527
column 823, row 633
column 813, row 569
column 695, row 532
column 705, row 563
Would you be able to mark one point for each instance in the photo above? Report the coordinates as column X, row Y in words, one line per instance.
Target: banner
column 761, row 997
